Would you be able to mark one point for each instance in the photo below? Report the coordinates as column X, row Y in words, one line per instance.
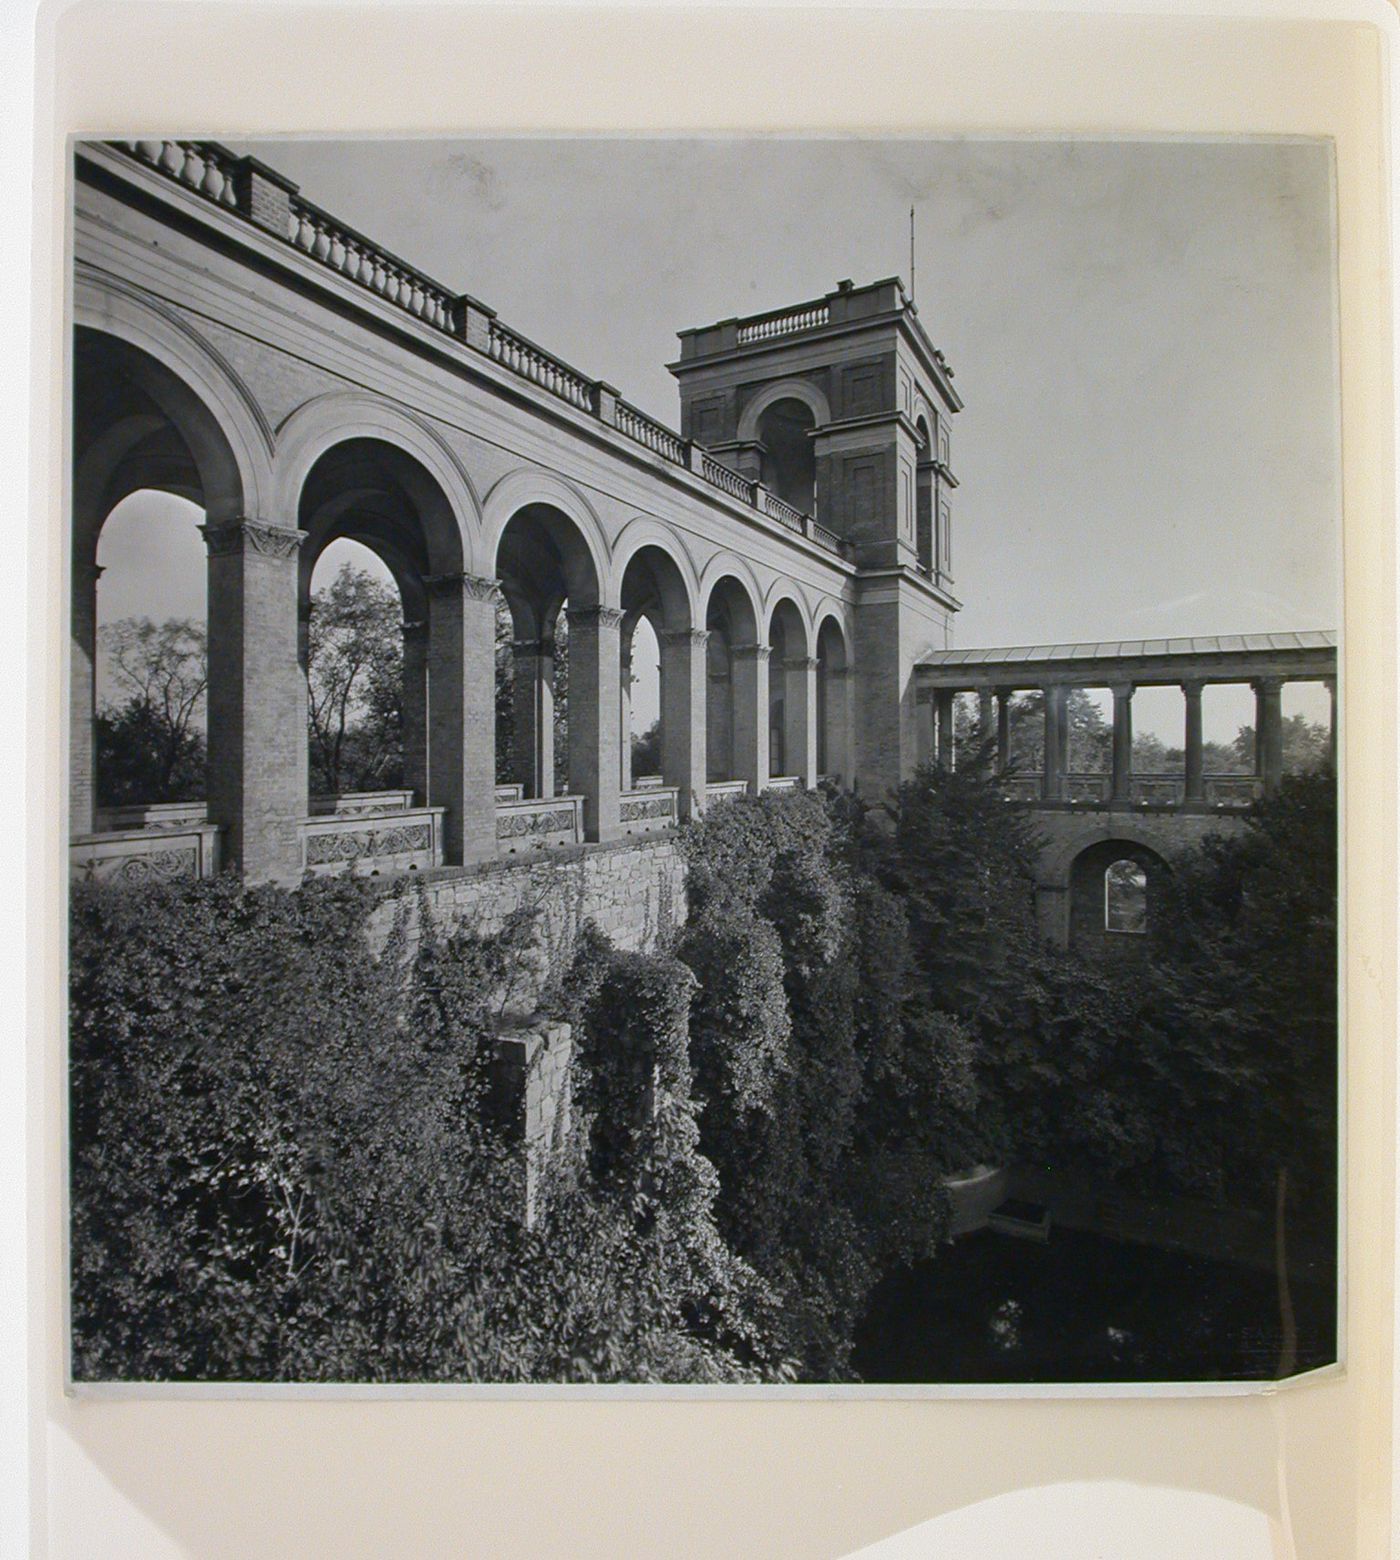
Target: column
column 836, row 729
column 415, row 708
column 1122, row 744
column 684, row 684
column 532, row 762
column 462, row 727
column 82, row 701
column 595, row 664
column 1268, row 731
column 624, row 717
column 1332, row 723
column 926, row 725
column 257, row 698
column 750, row 685
column 1195, row 752
column 1004, row 696
column 944, row 703
column 1053, row 780
column 986, row 720
column 800, row 717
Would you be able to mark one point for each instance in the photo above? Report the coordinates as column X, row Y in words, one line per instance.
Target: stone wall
column 634, row 890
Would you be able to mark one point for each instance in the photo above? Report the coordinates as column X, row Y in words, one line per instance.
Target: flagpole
column 911, row 254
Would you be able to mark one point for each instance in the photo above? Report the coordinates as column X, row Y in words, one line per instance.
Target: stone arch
column 834, row 723
column 200, row 394
column 644, row 531
column 317, row 426
column 783, row 390
column 727, row 564
column 1058, row 857
column 530, row 486
column 792, row 697
column 1087, row 882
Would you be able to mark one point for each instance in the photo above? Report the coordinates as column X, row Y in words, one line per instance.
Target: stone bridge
column 239, row 346
column 1094, row 823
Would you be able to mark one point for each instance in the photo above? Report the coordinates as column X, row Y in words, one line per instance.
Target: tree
column 151, row 748
column 646, row 751
column 355, row 684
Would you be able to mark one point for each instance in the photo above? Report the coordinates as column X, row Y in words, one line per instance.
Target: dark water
column 991, row 1308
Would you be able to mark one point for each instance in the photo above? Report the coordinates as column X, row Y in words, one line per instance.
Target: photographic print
column 703, row 761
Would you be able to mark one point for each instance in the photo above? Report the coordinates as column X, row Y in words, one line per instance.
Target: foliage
column 646, row 751
column 284, row 1165
column 355, row 684
column 150, row 747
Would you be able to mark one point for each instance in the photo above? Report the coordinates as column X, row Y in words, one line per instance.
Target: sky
column 1142, row 332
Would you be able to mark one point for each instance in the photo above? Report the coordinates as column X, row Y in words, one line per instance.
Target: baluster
column 391, row 283
column 212, row 184
column 306, row 231
column 351, row 267
column 228, row 195
column 149, row 151
column 322, row 247
column 172, row 158
column 335, row 250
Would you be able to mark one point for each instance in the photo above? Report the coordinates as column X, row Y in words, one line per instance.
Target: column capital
column 524, row 649
column 1270, row 684
column 88, row 573
column 685, row 636
column 603, row 617
column 1122, row 690
column 752, row 652
column 475, row 587
column 244, row 536
column 801, row 663
column 1193, row 687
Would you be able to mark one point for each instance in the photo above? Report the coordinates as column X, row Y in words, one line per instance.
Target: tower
column 842, row 406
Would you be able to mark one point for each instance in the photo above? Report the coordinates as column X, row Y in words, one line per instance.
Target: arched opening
column 789, row 459
column 1113, row 887
column 151, row 464
column 655, row 645
column 736, row 703
column 923, row 498
column 833, row 705
column 565, row 661
column 790, row 703
column 379, row 532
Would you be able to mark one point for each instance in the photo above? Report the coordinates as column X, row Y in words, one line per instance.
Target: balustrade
column 361, row 804
column 784, row 322
column 523, row 357
column 647, row 808
column 158, row 854
column 151, row 815
column 534, row 824
column 646, row 430
column 410, row 840
column 724, row 790
column 202, row 166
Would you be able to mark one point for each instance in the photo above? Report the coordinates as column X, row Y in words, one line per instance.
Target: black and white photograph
column 703, row 762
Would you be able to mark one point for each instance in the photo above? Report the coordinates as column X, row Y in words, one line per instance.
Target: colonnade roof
column 1310, row 653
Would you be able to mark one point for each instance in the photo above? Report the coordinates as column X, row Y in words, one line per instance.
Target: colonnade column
column 415, row 709
column 1122, row 744
column 750, row 685
column 1003, row 730
column 945, row 728
column 82, row 700
column 837, row 716
column 1268, row 731
column 257, row 698
column 986, row 719
column 800, row 718
column 462, row 727
column 684, row 687
column 1195, row 751
column 595, row 702
column 1053, row 780
column 1332, row 723
column 624, row 717
column 532, row 762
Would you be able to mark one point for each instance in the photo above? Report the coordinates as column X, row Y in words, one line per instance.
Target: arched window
column 1125, row 897
column 789, row 460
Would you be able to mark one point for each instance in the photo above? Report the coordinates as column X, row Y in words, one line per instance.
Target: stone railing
column 645, row 782
column 152, row 815
column 317, row 233
column 1088, row 788
column 542, row 368
column 160, row 854
column 513, row 792
column 723, row 790
column 212, row 171
column 784, row 513
column 783, row 783
column 406, row 841
column 1159, row 790
column 531, row 825
column 762, row 327
column 646, row 430
column 361, row 804
column 648, row 808
column 1233, row 790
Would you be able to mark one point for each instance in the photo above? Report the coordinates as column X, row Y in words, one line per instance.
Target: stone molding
column 474, row 587
column 752, row 652
column 699, row 637
column 527, row 648
column 801, row 663
column 604, row 617
column 242, row 536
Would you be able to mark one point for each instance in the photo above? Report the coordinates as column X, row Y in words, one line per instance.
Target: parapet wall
column 634, row 890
